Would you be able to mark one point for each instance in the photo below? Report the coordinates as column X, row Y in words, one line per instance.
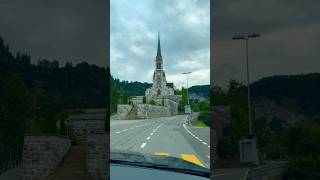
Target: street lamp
column 187, row 73
column 246, row 37
column 248, row 150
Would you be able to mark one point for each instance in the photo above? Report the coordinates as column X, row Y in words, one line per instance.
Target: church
column 162, row 92
column 160, row 87
column 158, row 101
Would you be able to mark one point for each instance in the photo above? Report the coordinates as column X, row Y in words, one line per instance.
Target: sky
column 76, row 30
column 184, row 28
column 65, row 30
column 289, row 42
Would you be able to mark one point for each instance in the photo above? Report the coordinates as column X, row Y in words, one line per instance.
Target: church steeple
column 159, row 47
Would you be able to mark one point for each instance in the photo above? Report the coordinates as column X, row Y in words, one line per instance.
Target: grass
column 201, row 124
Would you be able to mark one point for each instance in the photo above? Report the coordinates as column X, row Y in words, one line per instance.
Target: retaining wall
column 123, row 110
column 146, row 111
column 42, row 154
column 97, row 155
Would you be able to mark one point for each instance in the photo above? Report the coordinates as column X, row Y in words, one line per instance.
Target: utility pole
column 188, row 106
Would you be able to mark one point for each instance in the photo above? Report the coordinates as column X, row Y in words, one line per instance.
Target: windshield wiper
column 162, row 167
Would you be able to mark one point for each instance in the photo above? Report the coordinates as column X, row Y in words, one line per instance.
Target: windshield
column 159, row 97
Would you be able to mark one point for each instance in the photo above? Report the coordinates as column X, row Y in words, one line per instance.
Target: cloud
column 288, row 43
column 184, row 27
column 73, row 30
column 199, row 77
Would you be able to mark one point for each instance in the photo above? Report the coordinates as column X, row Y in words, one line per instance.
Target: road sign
column 187, row 109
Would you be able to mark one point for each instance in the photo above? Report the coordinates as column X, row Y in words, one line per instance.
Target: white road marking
column 184, row 126
column 151, row 134
column 118, row 132
column 143, row 145
column 148, row 137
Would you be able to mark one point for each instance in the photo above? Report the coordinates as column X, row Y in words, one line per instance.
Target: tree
column 14, row 110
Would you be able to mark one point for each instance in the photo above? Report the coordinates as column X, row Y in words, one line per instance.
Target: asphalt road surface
column 166, row 136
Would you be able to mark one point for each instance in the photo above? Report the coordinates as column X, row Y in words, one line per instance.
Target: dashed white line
column 184, row 126
column 151, row 134
column 148, row 137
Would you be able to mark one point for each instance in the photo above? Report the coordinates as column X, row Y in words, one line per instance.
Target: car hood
column 150, row 160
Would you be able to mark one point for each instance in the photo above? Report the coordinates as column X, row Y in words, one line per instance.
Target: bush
column 204, row 116
column 152, row 102
column 303, row 167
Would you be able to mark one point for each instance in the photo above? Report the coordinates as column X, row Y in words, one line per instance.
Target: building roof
column 159, row 47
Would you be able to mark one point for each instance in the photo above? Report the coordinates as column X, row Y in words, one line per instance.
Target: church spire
column 159, row 48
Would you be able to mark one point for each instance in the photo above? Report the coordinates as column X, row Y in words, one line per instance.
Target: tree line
column 37, row 97
column 299, row 143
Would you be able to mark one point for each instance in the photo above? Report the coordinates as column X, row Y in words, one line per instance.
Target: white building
column 160, row 87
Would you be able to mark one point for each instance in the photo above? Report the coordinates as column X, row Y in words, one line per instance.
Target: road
column 229, row 173
column 166, row 136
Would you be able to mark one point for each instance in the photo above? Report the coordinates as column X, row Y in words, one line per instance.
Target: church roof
column 159, row 47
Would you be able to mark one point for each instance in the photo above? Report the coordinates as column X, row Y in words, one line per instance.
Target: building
column 160, row 87
column 159, row 100
column 162, row 92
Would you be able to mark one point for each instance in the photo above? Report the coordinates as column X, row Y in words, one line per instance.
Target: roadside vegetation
column 299, row 142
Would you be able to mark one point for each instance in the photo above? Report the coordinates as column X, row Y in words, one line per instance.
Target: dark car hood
column 150, row 159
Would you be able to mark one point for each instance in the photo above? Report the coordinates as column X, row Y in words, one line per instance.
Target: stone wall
column 137, row 100
column 173, row 106
column 42, row 154
column 146, row 111
column 88, row 122
column 81, row 128
column 97, row 155
column 123, row 110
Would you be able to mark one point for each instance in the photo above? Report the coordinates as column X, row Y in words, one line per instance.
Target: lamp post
column 246, row 38
column 187, row 73
column 248, row 150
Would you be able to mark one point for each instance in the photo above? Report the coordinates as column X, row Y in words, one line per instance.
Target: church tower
column 159, row 62
column 159, row 87
column 159, row 77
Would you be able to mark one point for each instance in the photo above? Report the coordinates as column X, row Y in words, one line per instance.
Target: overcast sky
column 66, row 30
column 289, row 42
column 75, row 30
column 184, row 27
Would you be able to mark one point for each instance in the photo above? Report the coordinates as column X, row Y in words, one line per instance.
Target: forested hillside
column 300, row 91
column 35, row 96
column 201, row 90
column 298, row 142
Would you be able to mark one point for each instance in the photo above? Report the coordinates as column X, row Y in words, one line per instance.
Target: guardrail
column 264, row 171
column 9, row 165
